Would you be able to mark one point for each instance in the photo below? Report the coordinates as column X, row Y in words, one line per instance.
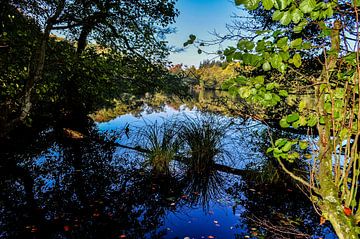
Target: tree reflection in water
column 76, row 187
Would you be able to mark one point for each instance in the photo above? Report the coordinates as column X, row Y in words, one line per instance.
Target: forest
column 102, row 136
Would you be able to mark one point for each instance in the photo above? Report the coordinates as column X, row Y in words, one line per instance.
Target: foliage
column 43, row 75
column 333, row 180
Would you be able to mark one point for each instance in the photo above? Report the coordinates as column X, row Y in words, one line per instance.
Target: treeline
column 47, row 79
column 210, row 74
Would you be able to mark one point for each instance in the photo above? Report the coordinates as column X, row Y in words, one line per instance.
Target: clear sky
column 199, row 17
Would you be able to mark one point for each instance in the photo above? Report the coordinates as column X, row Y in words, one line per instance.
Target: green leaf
column 244, row 92
column 312, row 121
column 282, row 42
column 314, row 15
column 343, row 133
column 245, row 45
column 287, row 147
column 303, row 145
column 329, row 12
column 306, row 45
column 302, row 105
column 277, row 15
column 266, row 66
column 292, row 117
column 297, row 60
column 269, row 150
column 276, row 61
column 280, row 4
column 292, row 156
column 286, row 18
column 268, row 4
column 283, row 123
column 300, row 26
column 270, row 86
column 296, row 15
column 280, row 142
column 252, row 4
column 284, row 55
column 306, row 6
column 296, row 43
column 283, row 93
column 296, row 124
column 259, row 80
column 328, row 107
column 268, row 96
column 302, row 121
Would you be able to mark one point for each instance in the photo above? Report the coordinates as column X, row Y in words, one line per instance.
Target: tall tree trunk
column 330, row 205
column 35, row 75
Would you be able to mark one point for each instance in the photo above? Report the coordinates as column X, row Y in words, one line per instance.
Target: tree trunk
column 331, row 204
column 37, row 72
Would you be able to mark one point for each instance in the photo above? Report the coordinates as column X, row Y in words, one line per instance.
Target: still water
column 92, row 187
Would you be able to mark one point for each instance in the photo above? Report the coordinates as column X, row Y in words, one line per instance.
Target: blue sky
column 199, row 17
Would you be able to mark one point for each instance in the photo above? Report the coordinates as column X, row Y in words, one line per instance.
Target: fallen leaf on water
column 73, row 134
column 122, row 236
column 211, row 237
column 216, row 222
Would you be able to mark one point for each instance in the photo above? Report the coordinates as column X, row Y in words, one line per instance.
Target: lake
column 102, row 184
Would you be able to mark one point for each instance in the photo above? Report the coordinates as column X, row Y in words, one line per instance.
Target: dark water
column 89, row 187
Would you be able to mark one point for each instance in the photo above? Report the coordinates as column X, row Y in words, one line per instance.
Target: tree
column 278, row 60
column 128, row 30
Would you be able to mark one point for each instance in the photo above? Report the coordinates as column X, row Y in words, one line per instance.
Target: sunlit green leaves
column 252, row 4
column 296, row 15
column 266, row 66
column 284, row 124
column 303, row 145
column 306, row 6
column 312, row 121
column 282, row 43
column 297, row 60
column 245, row 45
column 281, row 4
column 268, row 4
column 296, row 43
column 277, row 15
column 244, row 92
column 292, row 117
column 283, row 148
column 286, row 18
column 283, row 93
column 298, row 28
